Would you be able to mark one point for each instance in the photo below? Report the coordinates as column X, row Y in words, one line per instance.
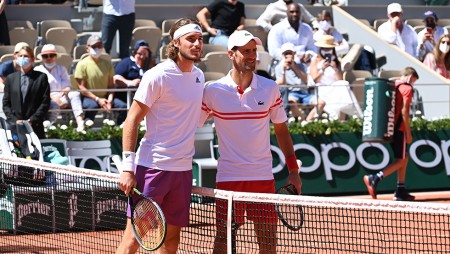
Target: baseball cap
column 19, row 46
column 394, row 7
column 240, row 38
column 288, row 46
column 140, row 43
column 430, row 14
column 93, row 39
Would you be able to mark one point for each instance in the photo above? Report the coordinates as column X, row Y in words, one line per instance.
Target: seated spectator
column 276, row 11
column 325, row 28
column 288, row 72
column 27, row 93
column 428, row 36
column 325, row 71
column 395, row 31
column 226, row 17
column 129, row 71
column 439, row 59
column 94, row 72
column 61, row 94
column 294, row 31
column 10, row 66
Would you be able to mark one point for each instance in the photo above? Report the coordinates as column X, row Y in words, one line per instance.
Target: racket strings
column 149, row 224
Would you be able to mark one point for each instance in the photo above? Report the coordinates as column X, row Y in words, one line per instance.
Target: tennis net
column 75, row 210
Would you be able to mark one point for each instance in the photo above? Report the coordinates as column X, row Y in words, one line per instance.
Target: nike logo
column 197, row 80
column 260, row 103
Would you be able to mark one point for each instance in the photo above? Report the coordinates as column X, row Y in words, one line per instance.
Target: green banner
column 335, row 164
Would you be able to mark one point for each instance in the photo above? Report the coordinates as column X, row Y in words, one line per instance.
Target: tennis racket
column 147, row 218
column 290, row 215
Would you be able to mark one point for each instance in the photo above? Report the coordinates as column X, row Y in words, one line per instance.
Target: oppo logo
column 356, row 156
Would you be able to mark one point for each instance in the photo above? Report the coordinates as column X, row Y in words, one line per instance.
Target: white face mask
column 95, row 52
column 49, row 66
column 444, row 48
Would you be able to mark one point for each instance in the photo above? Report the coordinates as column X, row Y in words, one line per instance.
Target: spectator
column 329, row 2
column 326, row 27
column 394, row 31
column 439, row 59
column 118, row 15
column 94, row 72
column 292, row 30
column 288, row 72
column 325, row 71
column 27, row 93
column 129, row 71
column 226, row 17
column 61, row 94
column 10, row 66
column 4, row 31
column 276, row 11
column 429, row 36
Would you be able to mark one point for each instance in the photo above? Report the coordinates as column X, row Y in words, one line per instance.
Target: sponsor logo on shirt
column 197, row 80
column 260, row 102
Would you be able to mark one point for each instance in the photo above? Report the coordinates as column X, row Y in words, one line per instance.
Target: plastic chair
column 378, row 22
column 212, row 76
column 144, row 22
column 390, row 74
column 64, row 36
column 27, row 35
column 13, row 24
column 217, row 62
column 150, row 34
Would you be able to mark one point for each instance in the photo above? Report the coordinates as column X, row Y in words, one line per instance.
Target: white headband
column 186, row 29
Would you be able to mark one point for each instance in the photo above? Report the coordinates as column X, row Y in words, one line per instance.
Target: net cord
column 431, row 208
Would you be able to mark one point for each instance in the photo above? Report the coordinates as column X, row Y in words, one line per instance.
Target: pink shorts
column 259, row 212
column 171, row 190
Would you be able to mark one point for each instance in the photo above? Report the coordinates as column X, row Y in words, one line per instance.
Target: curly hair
column 172, row 50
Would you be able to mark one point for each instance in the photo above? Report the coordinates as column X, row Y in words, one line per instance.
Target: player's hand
column 294, row 179
column 408, row 138
column 127, row 181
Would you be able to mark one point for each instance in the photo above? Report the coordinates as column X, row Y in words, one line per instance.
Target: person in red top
column 402, row 137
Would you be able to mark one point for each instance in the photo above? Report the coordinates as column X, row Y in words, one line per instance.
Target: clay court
column 337, row 231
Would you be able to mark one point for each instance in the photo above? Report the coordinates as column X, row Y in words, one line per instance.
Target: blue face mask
column 23, row 62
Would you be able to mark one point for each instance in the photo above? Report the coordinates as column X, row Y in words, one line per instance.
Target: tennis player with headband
column 169, row 97
column 243, row 104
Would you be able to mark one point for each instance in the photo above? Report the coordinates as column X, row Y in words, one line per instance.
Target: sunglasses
column 49, row 56
column 444, row 42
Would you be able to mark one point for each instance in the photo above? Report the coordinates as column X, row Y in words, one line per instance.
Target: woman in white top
column 325, row 71
column 60, row 87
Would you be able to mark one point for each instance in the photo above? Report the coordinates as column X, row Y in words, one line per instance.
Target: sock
column 400, row 186
column 378, row 176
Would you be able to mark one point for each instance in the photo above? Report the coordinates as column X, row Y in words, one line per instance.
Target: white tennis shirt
column 174, row 98
column 242, row 124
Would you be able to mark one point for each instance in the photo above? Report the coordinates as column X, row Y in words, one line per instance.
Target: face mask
column 444, row 48
column 324, row 52
column 95, row 52
column 23, row 62
column 49, row 66
column 431, row 25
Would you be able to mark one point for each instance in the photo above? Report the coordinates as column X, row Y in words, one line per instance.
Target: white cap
column 19, row 46
column 288, row 46
column 394, row 7
column 240, row 38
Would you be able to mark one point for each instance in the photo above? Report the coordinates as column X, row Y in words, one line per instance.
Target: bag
column 18, row 140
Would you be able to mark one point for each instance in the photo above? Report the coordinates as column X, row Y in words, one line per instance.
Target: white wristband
column 128, row 161
column 209, row 29
column 96, row 99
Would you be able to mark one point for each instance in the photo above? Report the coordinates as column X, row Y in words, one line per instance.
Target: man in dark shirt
column 226, row 17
